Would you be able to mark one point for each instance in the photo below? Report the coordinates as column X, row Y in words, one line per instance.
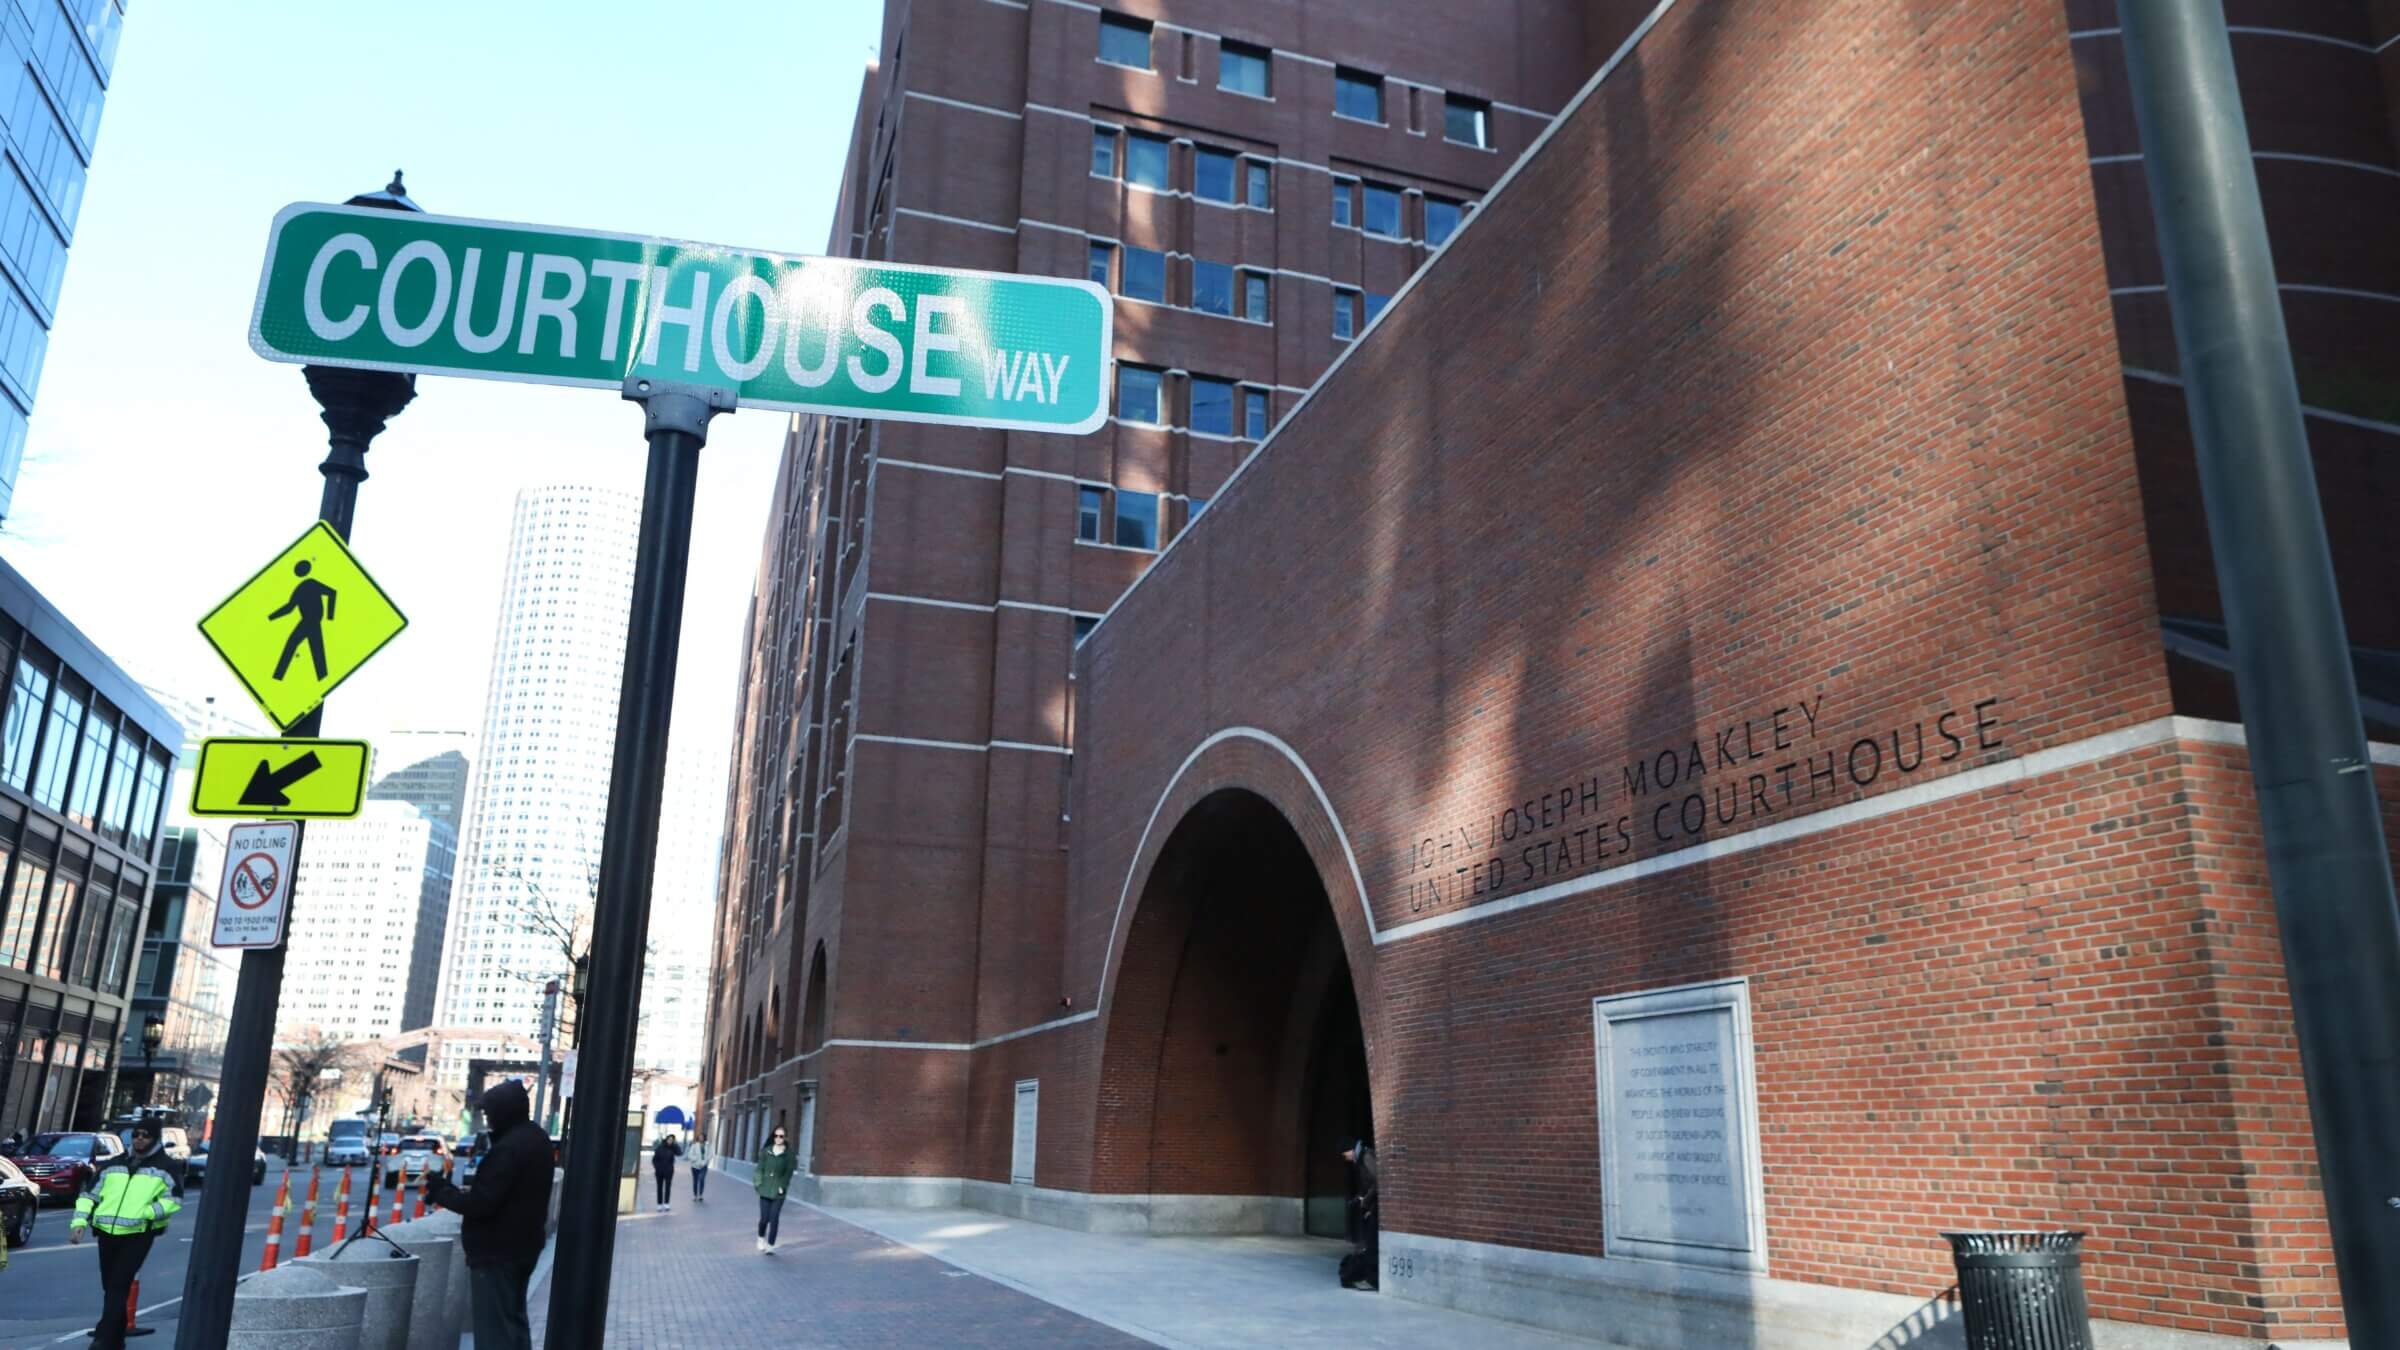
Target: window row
column 61, row 921
column 1214, row 287
column 1218, row 407
column 1113, row 515
column 1246, row 69
column 74, row 754
column 1146, row 159
column 1382, row 209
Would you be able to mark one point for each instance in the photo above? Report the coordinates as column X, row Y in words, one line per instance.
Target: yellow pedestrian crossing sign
column 246, row 776
column 304, row 624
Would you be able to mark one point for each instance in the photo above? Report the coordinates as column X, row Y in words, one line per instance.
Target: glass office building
column 55, row 58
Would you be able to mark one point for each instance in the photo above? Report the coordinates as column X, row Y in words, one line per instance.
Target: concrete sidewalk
column 957, row 1277
column 1192, row 1293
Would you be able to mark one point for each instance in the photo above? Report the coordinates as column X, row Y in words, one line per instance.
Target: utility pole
column 2326, row 854
column 356, row 404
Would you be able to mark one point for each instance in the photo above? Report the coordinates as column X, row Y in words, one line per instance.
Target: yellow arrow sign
column 304, row 624
column 287, row 779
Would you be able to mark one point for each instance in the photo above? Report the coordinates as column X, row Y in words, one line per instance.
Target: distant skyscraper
column 426, row 769
column 536, row 811
column 683, row 892
column 370, row 903
column 53, row 77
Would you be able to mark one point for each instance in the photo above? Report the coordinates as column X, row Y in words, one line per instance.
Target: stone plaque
column 1678, row 1130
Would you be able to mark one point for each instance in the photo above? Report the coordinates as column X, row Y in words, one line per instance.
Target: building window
column 1375, row 304
column 146, row 804
column 1259, row 191
column 1137, row 395
column 1345, row 197
column 1125, row 41
column 1442, row 217
column 1468, row 121
column 119, row 806
column 1242, row 68
column 1255, row 306
column 1345, row 313
column 24, row 913
column 1212, row 406
column 1145, row 274
column 1213, row 176
column 91, row 769
column 1104, row 151
column 1101, row 264
column 1382, row 214
column 1091, row 506
column 1196, row 505
column 1147, row 161
column 1137, row 520
column 58, row 749
column 1084, row 624
column 1254, row 421
column 1357, row 94
column 26, row 696
column 1212, row 287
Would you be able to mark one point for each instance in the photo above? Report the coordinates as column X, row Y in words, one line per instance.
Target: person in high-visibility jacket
column 128, row 1202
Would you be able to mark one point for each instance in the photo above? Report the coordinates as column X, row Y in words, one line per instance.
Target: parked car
column 346, row 1143
column 20, row 1205
column 422, row 1153
column 59, row 1162
column 195, row 1168
column 389, row 1148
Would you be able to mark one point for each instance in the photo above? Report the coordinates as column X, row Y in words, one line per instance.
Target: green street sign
column 397, row 290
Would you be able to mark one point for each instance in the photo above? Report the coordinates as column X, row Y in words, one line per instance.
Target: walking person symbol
column 312, row 601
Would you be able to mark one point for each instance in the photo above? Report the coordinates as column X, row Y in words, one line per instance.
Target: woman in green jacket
column 773, row 1179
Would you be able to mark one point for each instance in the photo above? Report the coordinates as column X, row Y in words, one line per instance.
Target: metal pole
column 357, row 404
column 541, row 1077
column 676, row 423
column 2326, row 853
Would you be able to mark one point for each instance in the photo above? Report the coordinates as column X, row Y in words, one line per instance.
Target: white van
column 347, row 1143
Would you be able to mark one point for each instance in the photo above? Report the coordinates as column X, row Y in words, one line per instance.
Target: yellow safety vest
column 128, row 1200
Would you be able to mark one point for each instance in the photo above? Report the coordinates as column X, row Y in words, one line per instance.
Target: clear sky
column 167, row 462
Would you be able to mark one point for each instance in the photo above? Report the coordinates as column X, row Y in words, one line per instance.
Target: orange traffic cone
column 341, row 1209
column 399, row 1194
column 283, row 1201
column 308, row 1214
column 418, row 1212
column 133, row 1300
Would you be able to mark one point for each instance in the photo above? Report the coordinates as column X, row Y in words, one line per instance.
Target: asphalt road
column 50, row 1293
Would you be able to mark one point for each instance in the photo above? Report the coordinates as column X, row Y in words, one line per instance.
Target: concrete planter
column 429, row 1324
column 294, row 1308
column 390, row 1281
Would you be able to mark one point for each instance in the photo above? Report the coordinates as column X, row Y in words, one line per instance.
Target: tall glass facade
column 55, row 59
column 85, row 759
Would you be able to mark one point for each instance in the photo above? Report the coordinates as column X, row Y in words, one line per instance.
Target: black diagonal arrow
column 266, row 789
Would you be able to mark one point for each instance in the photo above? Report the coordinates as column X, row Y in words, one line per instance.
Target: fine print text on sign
column 393, row 290
column 252, row 896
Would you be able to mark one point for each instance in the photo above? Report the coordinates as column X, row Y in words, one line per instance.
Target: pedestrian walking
column 773, row 1177
column 662, row 1166
column 128, row 1202
column 1360, row 1269
column 505, row 1213
column 698, row 1156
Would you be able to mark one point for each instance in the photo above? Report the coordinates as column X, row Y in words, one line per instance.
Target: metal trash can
column 2022, row 1291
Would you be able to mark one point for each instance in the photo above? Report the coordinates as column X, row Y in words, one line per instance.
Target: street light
column 154, row 1030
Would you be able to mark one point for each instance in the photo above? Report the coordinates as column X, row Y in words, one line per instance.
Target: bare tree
column 300, row 1066
column 564, row 925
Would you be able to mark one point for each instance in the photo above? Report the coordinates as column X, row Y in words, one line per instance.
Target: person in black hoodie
column 505, row 1213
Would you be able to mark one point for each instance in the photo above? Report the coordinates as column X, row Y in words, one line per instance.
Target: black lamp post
column 357, row 404
column 154, row 1030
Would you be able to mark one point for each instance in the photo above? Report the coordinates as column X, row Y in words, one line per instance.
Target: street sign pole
column 676, row 418
column 2326, row 854
column 355, row 411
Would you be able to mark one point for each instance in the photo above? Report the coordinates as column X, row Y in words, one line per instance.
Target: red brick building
column 1704, row 734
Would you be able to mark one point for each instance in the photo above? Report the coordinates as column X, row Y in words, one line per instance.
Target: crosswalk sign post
column 356, row 405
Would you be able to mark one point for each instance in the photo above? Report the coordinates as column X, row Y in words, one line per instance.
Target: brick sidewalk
column 692, row 1277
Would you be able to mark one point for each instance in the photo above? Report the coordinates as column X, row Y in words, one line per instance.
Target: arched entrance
column 1235, row 1067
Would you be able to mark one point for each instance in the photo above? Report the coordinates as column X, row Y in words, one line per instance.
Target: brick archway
column 1238, row 982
